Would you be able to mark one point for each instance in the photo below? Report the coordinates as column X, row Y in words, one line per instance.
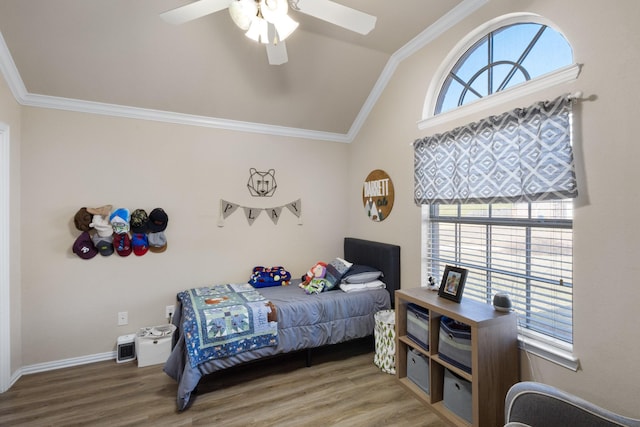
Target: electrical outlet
column 169, row 310
column 123, row 318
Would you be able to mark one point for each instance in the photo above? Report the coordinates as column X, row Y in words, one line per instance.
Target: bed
column 304, row 321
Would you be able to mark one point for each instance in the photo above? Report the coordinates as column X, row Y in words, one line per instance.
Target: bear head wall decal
column 262, row 184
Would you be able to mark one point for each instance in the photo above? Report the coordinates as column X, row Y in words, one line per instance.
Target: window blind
column 524, row 249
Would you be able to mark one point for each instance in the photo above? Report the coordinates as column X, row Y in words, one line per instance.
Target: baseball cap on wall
column 122, row 244
column 101, row 225
column 104, row 245
column 82, row 219
column 84, row 247
column 158, row 220
column 120, row 220
column 157, row 242
column 102, row 210
column 139, row 243
column 139, row 220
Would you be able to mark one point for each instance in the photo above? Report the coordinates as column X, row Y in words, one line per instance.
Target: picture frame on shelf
column 452, row 284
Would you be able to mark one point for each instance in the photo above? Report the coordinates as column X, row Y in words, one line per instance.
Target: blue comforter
column 224, row 320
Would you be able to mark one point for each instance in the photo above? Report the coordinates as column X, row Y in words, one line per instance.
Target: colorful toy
column 263, row 277
column 315, row 286
column 318, row 271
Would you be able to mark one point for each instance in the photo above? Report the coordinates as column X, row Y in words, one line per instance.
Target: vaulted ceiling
column 118, row 57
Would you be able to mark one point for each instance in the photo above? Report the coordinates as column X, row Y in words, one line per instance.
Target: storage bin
column 454, row 343
column 418, row 369
column 418, row 325
column 384, row 334
column 457, row 395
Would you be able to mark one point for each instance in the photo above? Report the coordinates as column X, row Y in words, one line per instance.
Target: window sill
column 563, row 75
column 559, row 356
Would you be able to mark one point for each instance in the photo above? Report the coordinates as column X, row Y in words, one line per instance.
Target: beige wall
column 605, row 39
column 69, row 160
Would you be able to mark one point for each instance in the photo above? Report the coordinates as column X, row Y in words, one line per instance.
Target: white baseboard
column 60, row 364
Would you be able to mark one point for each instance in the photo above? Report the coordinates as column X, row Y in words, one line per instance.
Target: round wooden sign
column 377, row 195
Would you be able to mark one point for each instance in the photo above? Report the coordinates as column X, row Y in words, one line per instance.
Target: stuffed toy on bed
column 318, row 271
column 263, row 277
column 315, row 286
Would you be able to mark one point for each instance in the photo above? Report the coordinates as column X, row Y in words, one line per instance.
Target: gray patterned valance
column 523, row 155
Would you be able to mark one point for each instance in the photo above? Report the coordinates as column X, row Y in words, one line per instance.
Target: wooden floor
column 342, row 388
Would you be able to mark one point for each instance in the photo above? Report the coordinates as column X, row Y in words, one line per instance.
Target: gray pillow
column 361, row 274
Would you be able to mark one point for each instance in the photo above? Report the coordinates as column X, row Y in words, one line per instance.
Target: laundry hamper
column 385, row 341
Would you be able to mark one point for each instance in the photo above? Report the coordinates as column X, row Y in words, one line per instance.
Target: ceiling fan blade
column 277, row 53
column 276, row 50
column 194, row 10
column 337, row 14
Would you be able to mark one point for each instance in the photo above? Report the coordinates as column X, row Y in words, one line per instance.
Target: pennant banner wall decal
column 274, row 214
column 296, row 209
column 227, row 208
column 251, row 214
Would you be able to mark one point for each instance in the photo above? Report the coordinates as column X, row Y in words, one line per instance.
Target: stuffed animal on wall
column 318, row 271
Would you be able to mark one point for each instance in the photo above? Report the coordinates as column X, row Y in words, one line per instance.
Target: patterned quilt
column 224, row 320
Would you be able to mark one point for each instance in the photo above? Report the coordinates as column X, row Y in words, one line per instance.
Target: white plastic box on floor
column 153, row 344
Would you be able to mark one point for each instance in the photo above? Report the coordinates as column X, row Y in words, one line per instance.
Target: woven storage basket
column 385, row 341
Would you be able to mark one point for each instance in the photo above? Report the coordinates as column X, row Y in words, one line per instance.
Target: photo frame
column 452, row 284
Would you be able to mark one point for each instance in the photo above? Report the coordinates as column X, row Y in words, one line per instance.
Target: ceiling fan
column 268, row 22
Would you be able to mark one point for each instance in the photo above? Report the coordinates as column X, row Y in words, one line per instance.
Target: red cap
column 122, row 244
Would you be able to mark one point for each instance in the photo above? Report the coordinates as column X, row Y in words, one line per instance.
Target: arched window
column 501, row 59
column 505, row 59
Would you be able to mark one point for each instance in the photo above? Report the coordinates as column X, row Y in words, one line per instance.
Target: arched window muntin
column 498, row 61
column 488, row 69
column 518, row 86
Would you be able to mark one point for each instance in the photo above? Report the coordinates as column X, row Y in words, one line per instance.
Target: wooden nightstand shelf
column 494, row 355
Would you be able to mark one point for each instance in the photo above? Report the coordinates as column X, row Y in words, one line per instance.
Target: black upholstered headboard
column 383, row 256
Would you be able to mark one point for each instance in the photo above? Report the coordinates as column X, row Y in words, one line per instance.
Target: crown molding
column 23, row 97
column 435, row 30
column 10, row 72
column 176, row 118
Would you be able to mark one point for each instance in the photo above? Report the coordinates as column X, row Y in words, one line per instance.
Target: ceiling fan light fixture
column 272, row 10
column 242, row 12
column 258, row 30
column 285, row 26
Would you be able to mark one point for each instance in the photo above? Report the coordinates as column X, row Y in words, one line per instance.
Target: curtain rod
column 575, row 96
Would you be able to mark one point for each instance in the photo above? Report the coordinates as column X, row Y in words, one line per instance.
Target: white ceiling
column 118, row 57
